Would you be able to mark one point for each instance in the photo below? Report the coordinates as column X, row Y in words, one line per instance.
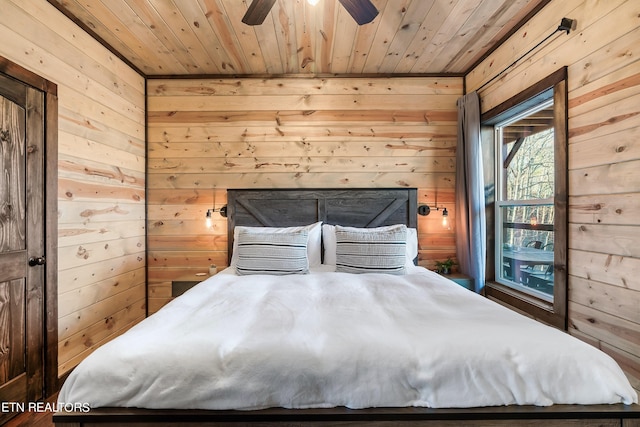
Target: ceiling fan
column 362, row 11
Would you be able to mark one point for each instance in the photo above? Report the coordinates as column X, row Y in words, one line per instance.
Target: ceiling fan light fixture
column 313, row 2
column 362, row 11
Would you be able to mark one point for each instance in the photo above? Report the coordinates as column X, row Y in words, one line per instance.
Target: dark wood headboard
column 354, row 207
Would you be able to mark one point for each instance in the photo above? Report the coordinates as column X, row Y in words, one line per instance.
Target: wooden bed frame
column 509, row 416
column 359, row 208
column 353, row 208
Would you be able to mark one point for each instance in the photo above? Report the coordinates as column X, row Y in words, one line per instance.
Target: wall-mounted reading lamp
column 209, row 219
column 222, row 210
column 425, row 210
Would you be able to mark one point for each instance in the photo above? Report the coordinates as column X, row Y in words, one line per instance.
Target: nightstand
column 461, row 279
column 182, row 284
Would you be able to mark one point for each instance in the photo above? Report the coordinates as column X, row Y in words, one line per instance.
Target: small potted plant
column 444, row 267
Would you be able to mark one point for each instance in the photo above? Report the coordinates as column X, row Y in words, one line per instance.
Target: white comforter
column 335, row 339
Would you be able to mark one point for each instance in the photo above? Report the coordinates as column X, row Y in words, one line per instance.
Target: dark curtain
column 470, row 217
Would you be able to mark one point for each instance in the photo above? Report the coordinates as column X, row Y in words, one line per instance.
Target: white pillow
column 314, row 245
column 272, row 253
column 329, row 241
column 382, row 251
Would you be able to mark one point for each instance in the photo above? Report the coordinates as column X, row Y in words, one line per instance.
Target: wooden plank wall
column 205, row 136
column 604, row 158
column 101, row 174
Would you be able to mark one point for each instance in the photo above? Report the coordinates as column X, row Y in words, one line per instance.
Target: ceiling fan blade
column 257, row 11
column 363, row 11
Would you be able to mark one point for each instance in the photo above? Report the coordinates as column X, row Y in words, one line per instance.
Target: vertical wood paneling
column 101, row 177
column 604, row 157
column 205, row 136
column 12, row 325
column 12, row 191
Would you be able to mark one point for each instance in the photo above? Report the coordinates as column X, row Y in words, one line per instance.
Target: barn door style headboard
column 292, row 207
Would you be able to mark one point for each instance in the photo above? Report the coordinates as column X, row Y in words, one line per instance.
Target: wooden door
column 22, row 243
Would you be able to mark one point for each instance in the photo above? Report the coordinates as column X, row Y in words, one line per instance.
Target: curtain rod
column 566, row 24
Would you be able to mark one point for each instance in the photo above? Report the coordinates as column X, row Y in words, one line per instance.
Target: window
column 528, row 241
column 524, row 201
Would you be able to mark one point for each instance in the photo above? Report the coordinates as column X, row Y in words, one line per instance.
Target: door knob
column 33, row 261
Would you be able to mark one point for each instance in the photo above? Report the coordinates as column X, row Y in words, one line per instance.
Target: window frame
column 551, row 312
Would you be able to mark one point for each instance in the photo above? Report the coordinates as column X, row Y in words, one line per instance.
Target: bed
column 323, row 318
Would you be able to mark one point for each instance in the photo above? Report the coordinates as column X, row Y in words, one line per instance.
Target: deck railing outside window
column 526, row 247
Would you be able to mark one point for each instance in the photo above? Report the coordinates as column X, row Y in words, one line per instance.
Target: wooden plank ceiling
column 207, row 37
